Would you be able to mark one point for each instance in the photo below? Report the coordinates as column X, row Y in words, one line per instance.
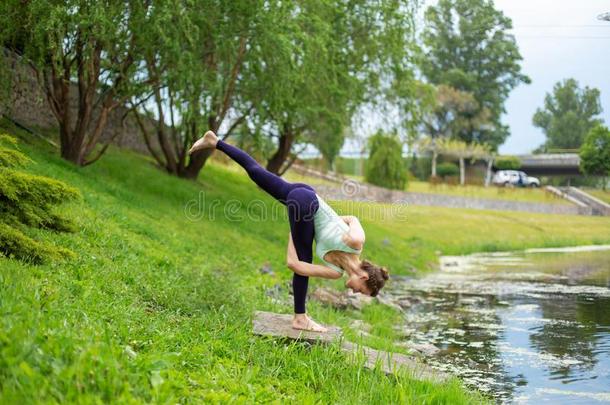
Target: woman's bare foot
column 208, row 140
column 304, row 322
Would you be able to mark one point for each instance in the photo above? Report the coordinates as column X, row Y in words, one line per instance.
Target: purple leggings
column 301, row 202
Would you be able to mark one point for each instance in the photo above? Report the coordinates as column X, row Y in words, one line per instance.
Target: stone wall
column 26, row 104
column 348, row 189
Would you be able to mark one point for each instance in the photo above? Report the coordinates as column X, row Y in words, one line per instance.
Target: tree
column 329, row 143
column 466, row 46
column 201, row 74
column 595, row 153
column 385, row 166
column 88, row 46
column 364, row 46
column 452, row 113
column 569, row 113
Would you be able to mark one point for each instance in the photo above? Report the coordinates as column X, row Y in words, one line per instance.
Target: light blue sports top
column 329, row 231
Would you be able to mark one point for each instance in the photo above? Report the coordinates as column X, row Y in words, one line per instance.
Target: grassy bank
column 157, row 305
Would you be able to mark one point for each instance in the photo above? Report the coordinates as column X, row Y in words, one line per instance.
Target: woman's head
column 371, row 280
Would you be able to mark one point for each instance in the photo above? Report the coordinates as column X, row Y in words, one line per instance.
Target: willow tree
column 341, row 55
column 84, row 54
column 202, row 73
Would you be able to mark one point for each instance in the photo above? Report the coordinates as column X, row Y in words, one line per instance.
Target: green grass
column 157, row 305
column 603, row 195
column 492, row 192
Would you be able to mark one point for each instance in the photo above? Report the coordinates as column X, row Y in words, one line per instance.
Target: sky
column 558, row 39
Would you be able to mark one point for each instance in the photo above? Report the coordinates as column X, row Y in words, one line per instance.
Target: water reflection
column 522, row 327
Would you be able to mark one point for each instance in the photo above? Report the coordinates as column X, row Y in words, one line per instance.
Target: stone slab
column 280, row 325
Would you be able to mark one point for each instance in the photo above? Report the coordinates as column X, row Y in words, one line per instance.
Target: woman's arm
column 304, row 268
column 354, row 238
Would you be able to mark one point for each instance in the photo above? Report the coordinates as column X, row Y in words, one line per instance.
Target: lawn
column 158, row 303
column 537, row 195
column 603, row 195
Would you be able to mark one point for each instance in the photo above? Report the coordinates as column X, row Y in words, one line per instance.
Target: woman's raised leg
column 269, row 182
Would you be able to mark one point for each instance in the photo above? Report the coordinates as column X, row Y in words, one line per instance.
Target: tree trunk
column 462, row 172
column 488, row 173
column 281, row 154
column 71, row 146
column 434, row 158
column 196, row 163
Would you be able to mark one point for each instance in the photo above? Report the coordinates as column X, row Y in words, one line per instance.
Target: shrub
column 447, row 169
column 27, row 200
column 385, row 166
column 595, row 153
column 507, row 163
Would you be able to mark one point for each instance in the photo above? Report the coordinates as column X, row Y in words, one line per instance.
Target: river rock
column 387, row 300
column 426, row 349
column 358, row 301
column 266, row 269
column 340, row 300
column 329, row 297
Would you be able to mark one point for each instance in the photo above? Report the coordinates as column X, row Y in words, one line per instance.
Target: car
column 508, row 178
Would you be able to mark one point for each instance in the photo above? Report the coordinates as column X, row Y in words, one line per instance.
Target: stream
column 521, row 327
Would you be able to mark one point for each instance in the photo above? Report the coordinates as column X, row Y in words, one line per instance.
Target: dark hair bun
column 384, row 273
column 377, row 276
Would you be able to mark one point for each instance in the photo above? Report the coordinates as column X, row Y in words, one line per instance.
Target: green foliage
column 569, row 113
column 468, row 46
column 447, row 169
column 9, row 155
column 595, row 152
column 385, row 166
column 507, row 163
column 93, row 46
column 28, row 200
column 453, row 113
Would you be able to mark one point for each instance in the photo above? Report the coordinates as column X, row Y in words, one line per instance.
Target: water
column 521, row 327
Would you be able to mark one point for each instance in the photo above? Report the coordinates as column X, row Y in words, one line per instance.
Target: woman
column 339, row 240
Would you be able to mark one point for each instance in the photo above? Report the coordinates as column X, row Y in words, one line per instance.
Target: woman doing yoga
column 339, row 239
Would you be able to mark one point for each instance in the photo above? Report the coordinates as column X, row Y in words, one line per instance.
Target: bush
column 28, row 200
column 507, row 163
column 385, row 166
column 595, row 152
column 447, row 169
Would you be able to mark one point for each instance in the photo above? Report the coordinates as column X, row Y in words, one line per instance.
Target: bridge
column 551, row 164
